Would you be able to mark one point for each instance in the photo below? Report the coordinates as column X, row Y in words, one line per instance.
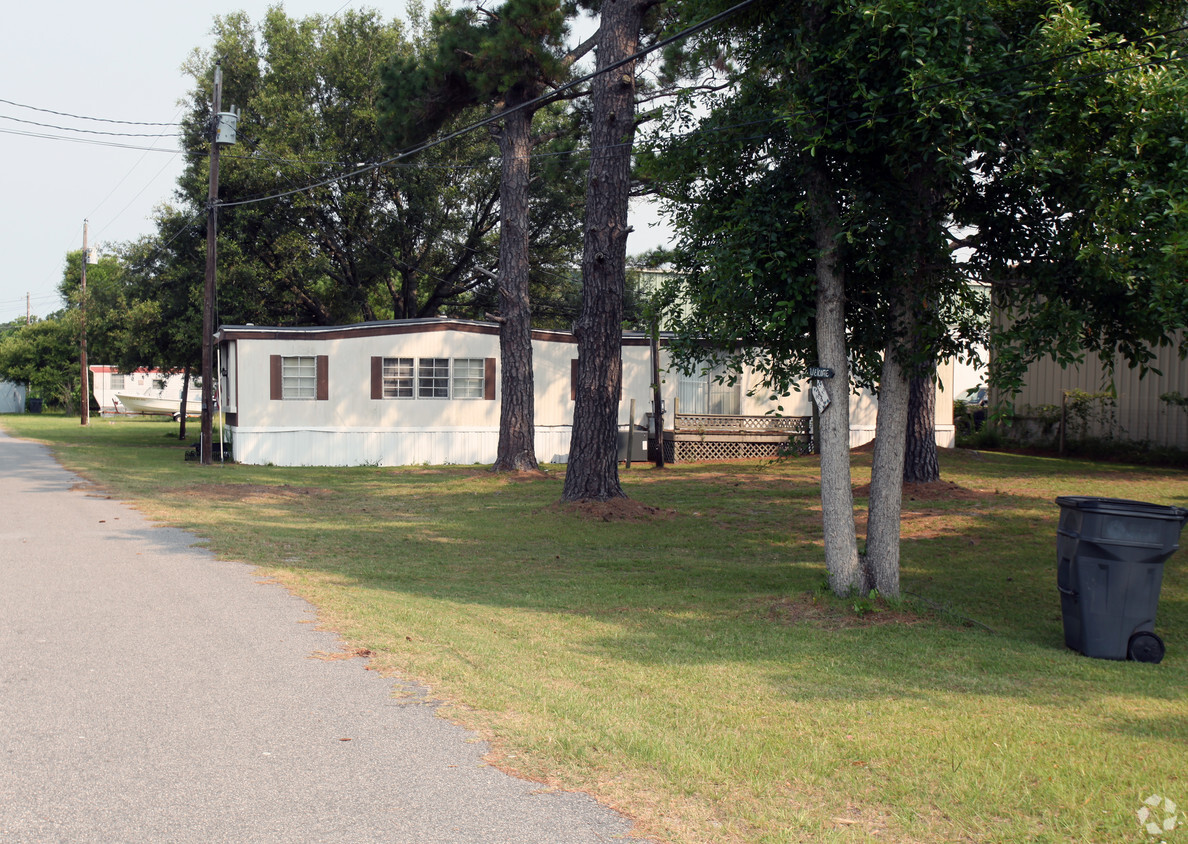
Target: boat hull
column 157, row 405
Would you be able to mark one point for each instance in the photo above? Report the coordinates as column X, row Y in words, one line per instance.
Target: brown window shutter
column 377, row 378
column 323, row 363
column 489, row 379
column 276, row 391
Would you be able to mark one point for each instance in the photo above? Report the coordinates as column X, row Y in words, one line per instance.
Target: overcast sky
column 117, row 61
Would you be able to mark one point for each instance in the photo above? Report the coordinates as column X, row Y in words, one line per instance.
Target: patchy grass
column 675, row 654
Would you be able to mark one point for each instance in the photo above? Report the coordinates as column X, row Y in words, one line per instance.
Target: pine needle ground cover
column 677, row 657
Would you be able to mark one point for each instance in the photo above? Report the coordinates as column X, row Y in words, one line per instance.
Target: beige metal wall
column 1140, row 414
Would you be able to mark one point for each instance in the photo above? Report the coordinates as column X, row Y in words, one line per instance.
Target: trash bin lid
column 1123, row 507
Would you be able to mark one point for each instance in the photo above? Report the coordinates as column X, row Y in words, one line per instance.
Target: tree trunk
column 517, row 420
column 185, row 397
column 886, row 475
column 921, row 465
column 837, row 495
column 593, row 471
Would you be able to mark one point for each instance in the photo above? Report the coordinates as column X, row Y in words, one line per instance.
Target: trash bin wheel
column 1145, row 647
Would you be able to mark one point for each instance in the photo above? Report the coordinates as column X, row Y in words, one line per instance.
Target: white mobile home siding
column 347, row 427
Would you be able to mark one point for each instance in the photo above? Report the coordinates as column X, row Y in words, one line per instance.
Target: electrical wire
column 535, row 103
column 81, row 117
column 87, row 141
column 136, row 195
column 553, row 96
column 398, row 160
column 86, row 131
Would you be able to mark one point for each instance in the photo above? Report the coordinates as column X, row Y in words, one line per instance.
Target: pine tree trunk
column 593, row 470
column 921, row 464
column 833, row 436
column 517, row 419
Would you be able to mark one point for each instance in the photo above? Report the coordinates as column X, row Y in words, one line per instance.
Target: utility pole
column 84, row 392
column 657, row 400
column 28, row 310
column 208, row 298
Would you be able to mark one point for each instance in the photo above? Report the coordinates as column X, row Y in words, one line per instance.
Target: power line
column 398, row 160
column 534, row 103
column 394, row 161
column 85, row 131
column 81, row 117
column 88, row 141
column 685, row 33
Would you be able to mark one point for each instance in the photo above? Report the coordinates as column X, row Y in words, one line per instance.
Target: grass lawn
column 676, row 657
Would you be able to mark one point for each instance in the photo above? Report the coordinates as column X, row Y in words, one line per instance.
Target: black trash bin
column 1110, row 554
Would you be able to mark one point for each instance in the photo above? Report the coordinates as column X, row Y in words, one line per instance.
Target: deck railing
column 702, row 436
column 754, row 424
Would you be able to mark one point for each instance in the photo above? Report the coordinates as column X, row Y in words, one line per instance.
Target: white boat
column 158, row 405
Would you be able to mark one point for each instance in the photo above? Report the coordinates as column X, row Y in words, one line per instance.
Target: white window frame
column 468, row 378
column 433, row 378
column 400, row 378
column 299, row 377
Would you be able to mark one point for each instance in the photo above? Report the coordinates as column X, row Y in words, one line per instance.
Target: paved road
column 149, row 692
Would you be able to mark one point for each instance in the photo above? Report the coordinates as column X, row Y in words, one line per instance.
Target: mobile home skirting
column 416, row 446
column 384, row 446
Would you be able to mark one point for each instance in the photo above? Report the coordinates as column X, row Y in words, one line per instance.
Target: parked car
column 969, row 410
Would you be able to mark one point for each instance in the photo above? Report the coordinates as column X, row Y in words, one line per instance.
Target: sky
column 115, row 61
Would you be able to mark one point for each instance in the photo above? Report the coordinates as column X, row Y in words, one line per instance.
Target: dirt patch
column 939, row 491
column 254, row 492
column 353, row 653
column 833, row 614
column 519, row 477
column 615, row 510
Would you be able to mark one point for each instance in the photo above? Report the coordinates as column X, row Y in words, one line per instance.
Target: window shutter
column 377, row 378
column 276, row 391
column 323, row 387
column 489, row 379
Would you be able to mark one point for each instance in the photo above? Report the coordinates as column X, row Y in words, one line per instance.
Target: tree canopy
column 822, row 201
column 298, row 238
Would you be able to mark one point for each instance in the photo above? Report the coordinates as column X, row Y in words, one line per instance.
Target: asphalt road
column 149, row 692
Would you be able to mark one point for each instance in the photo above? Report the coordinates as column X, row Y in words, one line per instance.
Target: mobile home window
column 299, row 378
column 433, row 378
column 708, row 391
column 398, row 378
column 117, row 380
column 468, row 378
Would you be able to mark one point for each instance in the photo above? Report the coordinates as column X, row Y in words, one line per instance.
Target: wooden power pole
column 84, row 392
column 208, row 298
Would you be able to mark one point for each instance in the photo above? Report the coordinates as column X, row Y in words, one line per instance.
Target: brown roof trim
column 392, row 328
